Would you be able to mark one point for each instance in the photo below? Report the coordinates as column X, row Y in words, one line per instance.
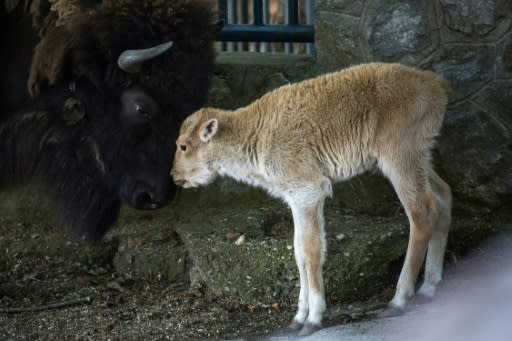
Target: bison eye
column 183, row 147
column 137, row 107
column 142, row 112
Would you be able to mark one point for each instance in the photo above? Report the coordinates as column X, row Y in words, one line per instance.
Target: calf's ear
column 208, row 130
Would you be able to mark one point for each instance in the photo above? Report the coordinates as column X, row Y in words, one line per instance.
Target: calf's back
column 343, row 121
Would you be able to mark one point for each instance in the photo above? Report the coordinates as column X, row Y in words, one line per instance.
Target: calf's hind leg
column 437, row 244
column 410, row 178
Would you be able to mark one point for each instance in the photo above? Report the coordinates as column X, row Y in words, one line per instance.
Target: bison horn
column 131, row 60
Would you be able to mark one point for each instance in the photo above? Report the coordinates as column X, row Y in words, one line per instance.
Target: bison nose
column 144, row 197
column 143, row 201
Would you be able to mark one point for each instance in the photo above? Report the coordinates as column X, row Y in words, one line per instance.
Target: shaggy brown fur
column 93, row 134
column 67, row 34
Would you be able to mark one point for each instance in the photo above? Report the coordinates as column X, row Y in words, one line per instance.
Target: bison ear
column 10, row 5
column 50, row 56
column 208, row 130
column 63, row 55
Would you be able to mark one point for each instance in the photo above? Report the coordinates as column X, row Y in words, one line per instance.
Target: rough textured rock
column 242, row 77
column 365, row 253
column 398, row 29
column 476, row 147
column 148, row 245
column 470, row 16
column 349, row 7
column 504, row 58
column 468, row 68
column 337, row 39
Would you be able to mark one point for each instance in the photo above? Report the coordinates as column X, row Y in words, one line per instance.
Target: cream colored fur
column 298, row 139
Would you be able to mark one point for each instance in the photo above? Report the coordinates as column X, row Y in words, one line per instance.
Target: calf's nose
column 176, row 178
column 179, row 182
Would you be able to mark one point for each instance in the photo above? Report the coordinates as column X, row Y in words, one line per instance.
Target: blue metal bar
column 234, row 9
column 293, row 12
column 244, row 12
column 288, row 47
column 223, row 10
column 257, row 7
column 310, row 14
column 244, row 15
column 223, row 14
column 264, row 46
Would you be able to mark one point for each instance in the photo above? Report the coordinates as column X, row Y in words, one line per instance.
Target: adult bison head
column 111, row 86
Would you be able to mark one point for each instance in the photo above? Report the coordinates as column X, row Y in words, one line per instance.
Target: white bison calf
column 296, row 140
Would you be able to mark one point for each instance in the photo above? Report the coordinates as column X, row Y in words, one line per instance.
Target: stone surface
column 262, row 268
column 348, row 7
column 474, row 21
column 220, row 93
column 242, row 77
column 475, row 147
column 473, row 16
column 148, row 245
column 397, row 30
column 504, row 58
column 468, row 68
column 365, row 253
column 337, row 40
column 368, row 193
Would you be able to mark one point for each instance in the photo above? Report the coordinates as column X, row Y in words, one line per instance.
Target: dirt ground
column 87, row 300
column 62, row 296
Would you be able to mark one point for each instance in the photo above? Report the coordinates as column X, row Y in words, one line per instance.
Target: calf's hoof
column 390, row 311
column 420, row 299
column 290, row 331
column 309, row 329
column 294, row 326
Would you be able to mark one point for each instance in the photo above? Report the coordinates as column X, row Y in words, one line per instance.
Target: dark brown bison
column 93, row 93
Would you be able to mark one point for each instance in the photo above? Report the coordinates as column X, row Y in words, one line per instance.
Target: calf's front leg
column 310, row 250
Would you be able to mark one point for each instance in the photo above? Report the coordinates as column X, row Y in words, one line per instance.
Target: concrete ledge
column 264, row 59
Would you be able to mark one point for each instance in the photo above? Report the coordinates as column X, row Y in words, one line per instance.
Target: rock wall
column 467, row 41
